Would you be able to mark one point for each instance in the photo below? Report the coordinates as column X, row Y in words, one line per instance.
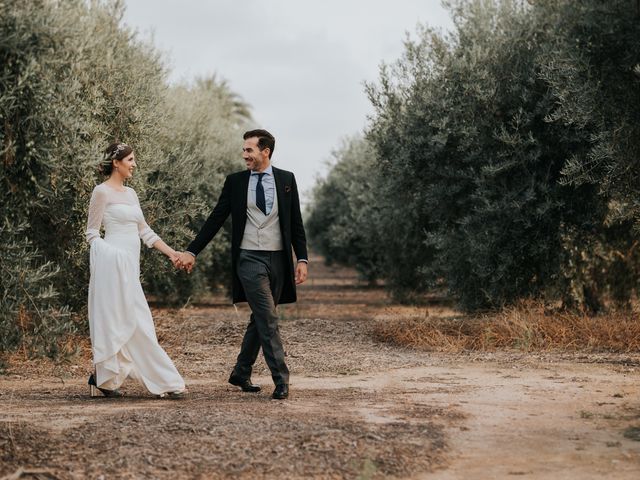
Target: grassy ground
column 527, row 327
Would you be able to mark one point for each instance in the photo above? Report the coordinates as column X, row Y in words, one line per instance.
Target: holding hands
column 184, row 261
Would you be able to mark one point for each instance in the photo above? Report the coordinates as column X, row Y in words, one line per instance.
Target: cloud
column 300, row 64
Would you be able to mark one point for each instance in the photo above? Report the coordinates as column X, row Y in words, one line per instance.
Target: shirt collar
column 268, row 171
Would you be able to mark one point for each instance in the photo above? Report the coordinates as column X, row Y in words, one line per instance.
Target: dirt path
column 550, row 421
column 359, row 409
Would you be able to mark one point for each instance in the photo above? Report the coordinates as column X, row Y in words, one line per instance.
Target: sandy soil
column 358, row 408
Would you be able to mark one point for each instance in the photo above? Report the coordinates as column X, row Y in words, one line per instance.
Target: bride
column 123, row 336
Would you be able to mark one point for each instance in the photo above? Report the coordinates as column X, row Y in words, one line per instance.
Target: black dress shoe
column 281, row 392
column 244, row 384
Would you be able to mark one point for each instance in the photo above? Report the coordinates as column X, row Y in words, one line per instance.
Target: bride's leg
column 112, row 373
column 151, row 364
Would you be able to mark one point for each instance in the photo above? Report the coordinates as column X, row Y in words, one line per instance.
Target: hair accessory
column 110, row 156
column 119, row 148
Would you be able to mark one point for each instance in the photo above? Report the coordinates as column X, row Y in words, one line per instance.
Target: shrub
column 502, row 169
column 72, row 79
column 343, row 223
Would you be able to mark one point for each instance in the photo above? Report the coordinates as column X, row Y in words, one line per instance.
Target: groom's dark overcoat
column 233, row 200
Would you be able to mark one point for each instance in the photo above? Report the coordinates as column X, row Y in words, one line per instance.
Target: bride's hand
column 175, row 259
column 186, row 261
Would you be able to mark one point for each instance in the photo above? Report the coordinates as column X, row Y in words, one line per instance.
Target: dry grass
column 526, row 327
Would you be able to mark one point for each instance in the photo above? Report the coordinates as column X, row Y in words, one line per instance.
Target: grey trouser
column 262, row 276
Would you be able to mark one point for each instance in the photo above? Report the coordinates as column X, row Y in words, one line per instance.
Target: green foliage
column 593, row 70
column 507, row 156
column 201, row 137
column 344, row 220
column 29, row 309
column 72, row 79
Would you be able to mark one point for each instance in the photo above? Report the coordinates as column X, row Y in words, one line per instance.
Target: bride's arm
column 166, row 249
column 96, row 211
column 151, row 239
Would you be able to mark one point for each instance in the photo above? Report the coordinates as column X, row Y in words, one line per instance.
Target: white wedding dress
column 123, row 336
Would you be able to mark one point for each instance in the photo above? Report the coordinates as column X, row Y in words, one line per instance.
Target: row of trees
column 72, row 79
column 502, row 161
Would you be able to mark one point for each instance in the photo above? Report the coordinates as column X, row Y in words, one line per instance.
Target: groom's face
column 255, row 159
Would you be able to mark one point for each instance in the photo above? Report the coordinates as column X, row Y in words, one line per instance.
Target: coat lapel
column 243, row 191
column 279, row 181
column 277, row 176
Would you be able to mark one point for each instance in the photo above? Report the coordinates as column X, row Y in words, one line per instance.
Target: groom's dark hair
column 265, row 139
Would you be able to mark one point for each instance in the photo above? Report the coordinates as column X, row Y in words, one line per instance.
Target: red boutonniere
column 287, row 188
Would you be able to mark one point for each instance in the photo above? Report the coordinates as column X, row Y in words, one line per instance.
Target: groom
column 266, row 223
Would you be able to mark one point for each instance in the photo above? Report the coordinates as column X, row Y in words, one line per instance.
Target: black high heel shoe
column 93, row 389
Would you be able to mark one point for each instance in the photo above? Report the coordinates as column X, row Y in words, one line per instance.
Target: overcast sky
column 300, row 64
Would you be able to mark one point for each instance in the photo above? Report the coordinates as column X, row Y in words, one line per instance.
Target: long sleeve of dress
column 148, row 236
column 96, row 211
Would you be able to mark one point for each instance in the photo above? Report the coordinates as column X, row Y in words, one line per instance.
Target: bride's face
column 125, row 167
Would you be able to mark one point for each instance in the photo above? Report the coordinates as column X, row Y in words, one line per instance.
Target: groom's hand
column 301, row 273
column 186, row 261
